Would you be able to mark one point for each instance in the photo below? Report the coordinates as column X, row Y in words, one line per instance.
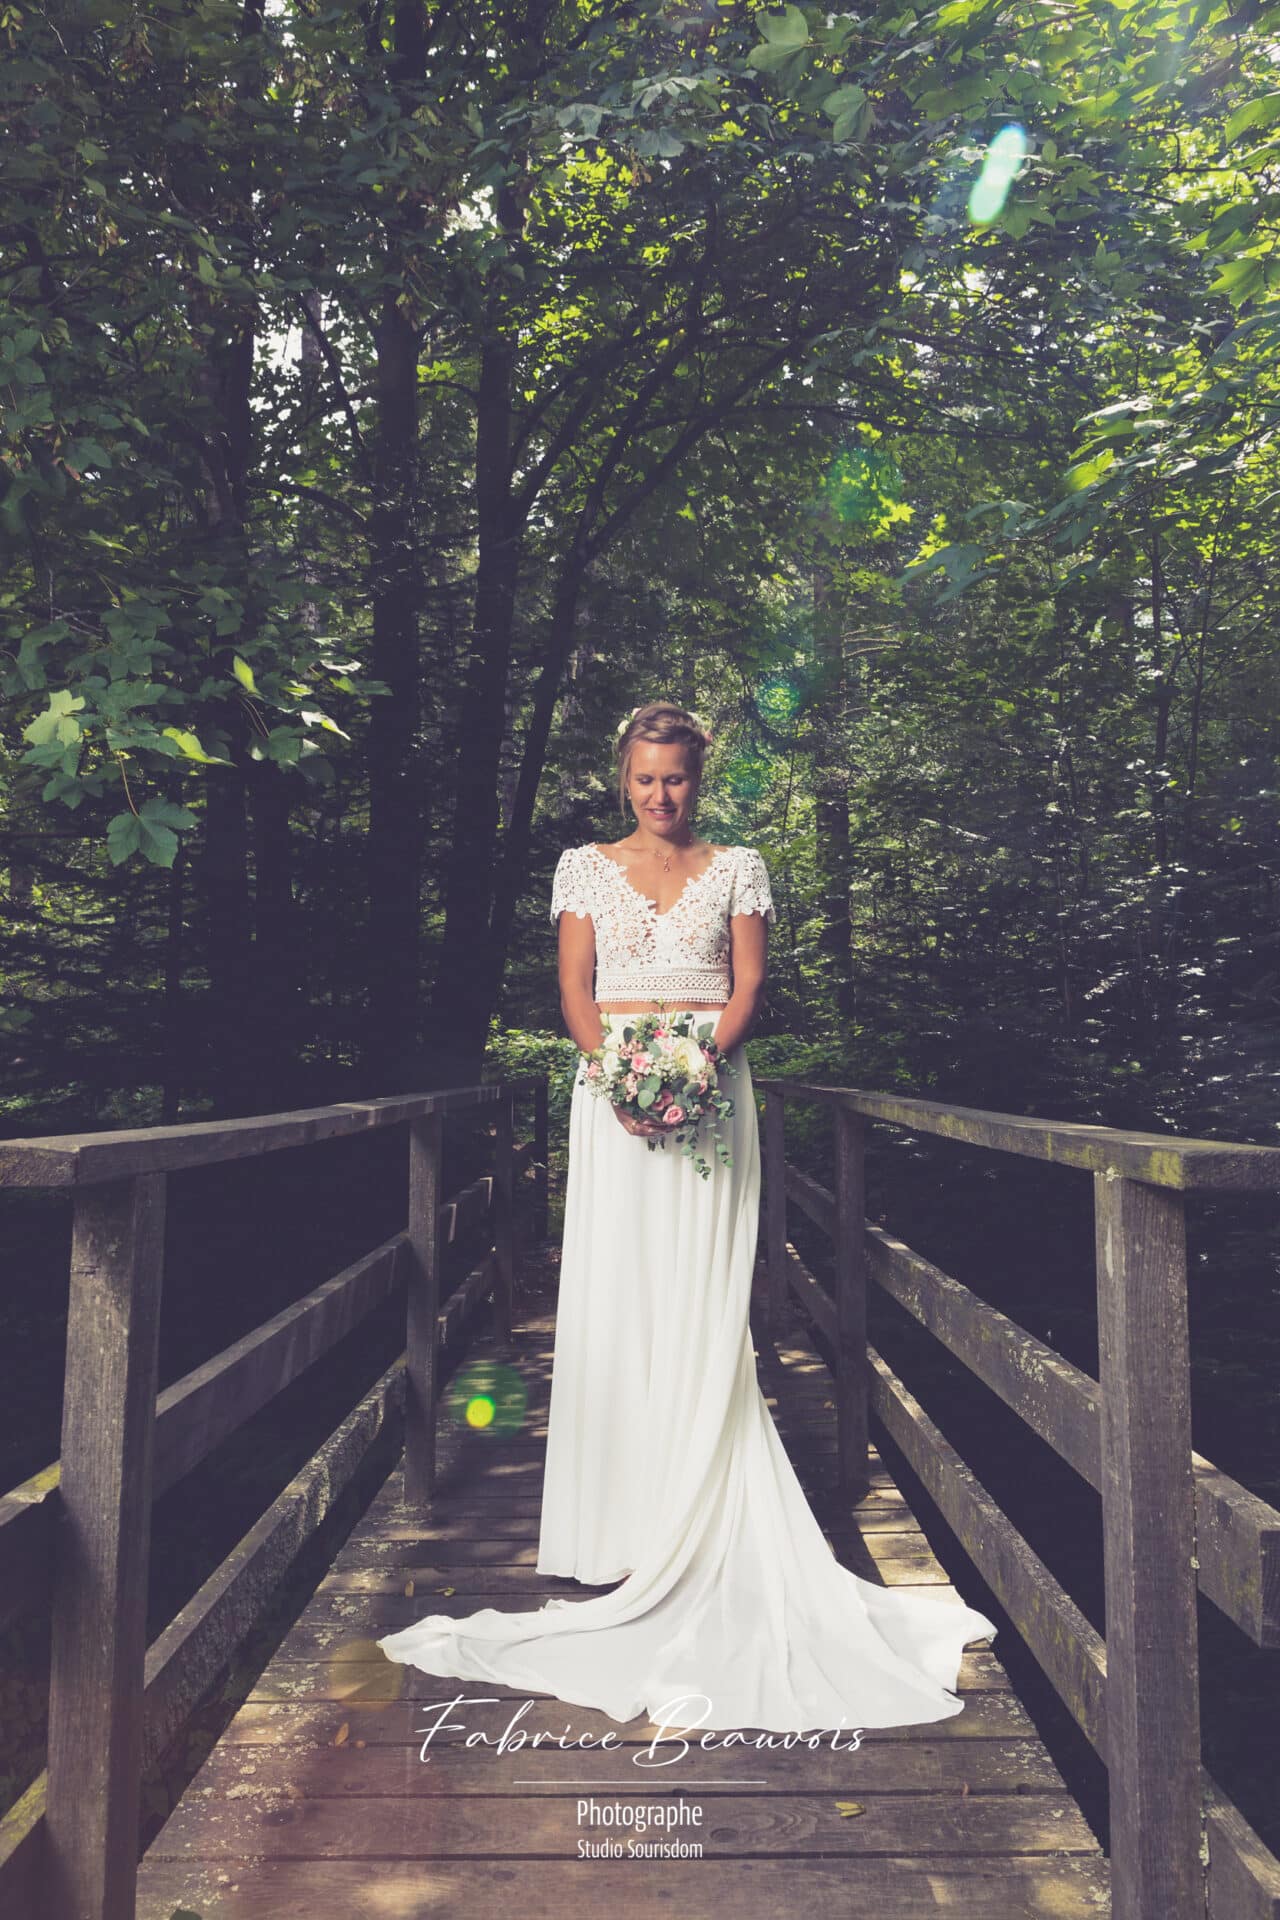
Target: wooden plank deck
column 316, row 1805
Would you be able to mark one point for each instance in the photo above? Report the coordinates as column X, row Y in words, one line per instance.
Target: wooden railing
column 75, row 1538
column 1179, row 1848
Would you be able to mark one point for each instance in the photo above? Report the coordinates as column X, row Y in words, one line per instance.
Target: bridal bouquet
column 663, row 1068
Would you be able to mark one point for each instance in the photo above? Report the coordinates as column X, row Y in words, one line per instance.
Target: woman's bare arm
column 748, row 958
column 577, row 1002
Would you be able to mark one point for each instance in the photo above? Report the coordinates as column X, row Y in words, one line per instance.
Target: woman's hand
column 634, row 1124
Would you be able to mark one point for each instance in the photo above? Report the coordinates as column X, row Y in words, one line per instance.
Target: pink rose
column 673, row 1116
column 641, row 1062
column 660, row 1033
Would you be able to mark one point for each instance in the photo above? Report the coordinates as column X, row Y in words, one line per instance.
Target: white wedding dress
column 663, row 1463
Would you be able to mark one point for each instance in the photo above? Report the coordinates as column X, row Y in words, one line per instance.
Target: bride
column 664, row 1470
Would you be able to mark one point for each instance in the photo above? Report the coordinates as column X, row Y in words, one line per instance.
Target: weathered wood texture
column 317, row 1802
column 100, row 1591
column 77, row 1535
column 1161, row 1159
column 80, row 1159
column 426, row 1145
column 849, row 1262
column 1170, row 1520
column 1238, row 1532
column 196, row 1413
column 1148, row 1529
column 504, row 1245
column 775, row 1211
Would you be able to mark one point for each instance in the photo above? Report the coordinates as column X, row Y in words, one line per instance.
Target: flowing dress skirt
column 663, row 1465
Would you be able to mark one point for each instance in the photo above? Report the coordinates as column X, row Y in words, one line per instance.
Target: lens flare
column 487, row 1397
column 862, row 487
column 999, row 167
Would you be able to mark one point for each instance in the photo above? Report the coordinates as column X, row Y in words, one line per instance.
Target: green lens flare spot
column 487, row 1397
column 863, row 487
column 1000, row 165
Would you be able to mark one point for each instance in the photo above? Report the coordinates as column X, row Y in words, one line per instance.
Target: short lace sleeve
column 751, row 886
column 571, row 884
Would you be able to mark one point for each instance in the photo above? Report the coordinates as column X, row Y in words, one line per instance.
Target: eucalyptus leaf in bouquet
column 666, row 1067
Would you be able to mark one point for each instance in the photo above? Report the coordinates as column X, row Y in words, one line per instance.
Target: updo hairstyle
column 667, row 724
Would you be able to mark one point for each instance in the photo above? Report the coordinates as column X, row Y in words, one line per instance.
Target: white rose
column 690, row 1058
column 612, row 1060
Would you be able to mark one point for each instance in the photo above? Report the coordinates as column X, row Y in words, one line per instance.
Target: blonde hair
column 667, row 724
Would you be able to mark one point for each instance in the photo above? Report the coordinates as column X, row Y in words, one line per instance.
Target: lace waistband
column 663, row 983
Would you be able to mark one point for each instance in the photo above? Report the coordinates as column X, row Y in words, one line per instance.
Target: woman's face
column 662, row 786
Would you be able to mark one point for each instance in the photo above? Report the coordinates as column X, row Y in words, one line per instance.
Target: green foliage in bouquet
column 666, row 1067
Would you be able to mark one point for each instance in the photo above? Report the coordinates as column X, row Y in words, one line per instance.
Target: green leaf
column 312, row 716
column 1259, row 112
column 189, row 746
column 56, row 723
column 124, row 836
column 159, row 844
column 767, row 58
column 167, row 813
column 843, row 100
column 789, row 32
column 1239, row 279
column 244, row 674
column 1085, row 472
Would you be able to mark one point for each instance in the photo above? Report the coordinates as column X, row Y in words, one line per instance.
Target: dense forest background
column 394, row 396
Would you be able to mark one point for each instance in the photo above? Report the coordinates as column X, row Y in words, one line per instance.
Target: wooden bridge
column 344, row 1786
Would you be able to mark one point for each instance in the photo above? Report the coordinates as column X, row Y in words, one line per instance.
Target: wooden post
column 426, row 1139
column 503, row 1216
column 775, row 1211
column 541, row 1148
column 1148, row 1509
column 102, row 1549
column 850, row 1270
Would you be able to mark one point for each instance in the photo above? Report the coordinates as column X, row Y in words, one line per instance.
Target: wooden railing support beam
column 422, row 1306
column 102, row 1549
column 775, row 1213
column 504, row 1219
column 849, row 1259
column 1148, row 1510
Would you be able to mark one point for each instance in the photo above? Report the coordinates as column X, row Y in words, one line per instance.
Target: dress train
column 664, row 1470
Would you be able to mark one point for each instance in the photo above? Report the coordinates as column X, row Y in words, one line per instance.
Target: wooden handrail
column 1157, row 1159
column 1170, row 1519
column 81, row 1530
column 79, row 1159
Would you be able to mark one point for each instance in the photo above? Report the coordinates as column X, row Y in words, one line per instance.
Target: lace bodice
column 641, row 954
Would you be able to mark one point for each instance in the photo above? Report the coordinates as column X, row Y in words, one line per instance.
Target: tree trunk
column 225, row 383
column 396, row 768
column 394, row 846
column 174, row 1024
column 470, row 964
column 224, row 876
column 277, row 958
column 831, row 777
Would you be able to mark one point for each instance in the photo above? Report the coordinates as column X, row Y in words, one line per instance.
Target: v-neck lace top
column 642, row 954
